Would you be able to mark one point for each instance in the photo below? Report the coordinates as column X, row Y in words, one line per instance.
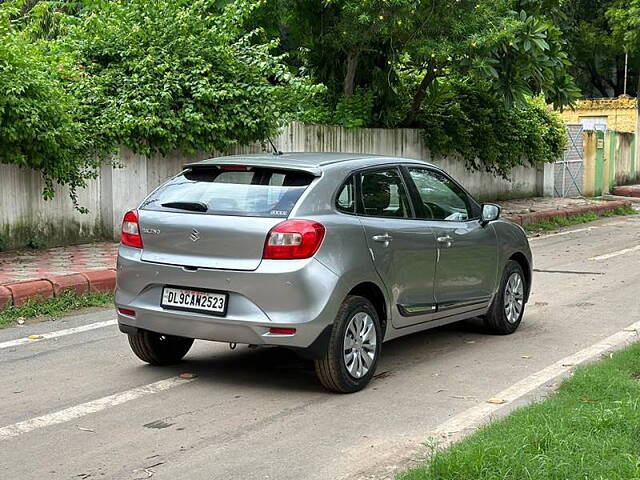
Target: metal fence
column 568, row 171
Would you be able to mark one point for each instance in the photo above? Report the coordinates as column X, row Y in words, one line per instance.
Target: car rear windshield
column 232, row 190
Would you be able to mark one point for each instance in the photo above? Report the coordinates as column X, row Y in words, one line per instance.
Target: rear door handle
column 446, row 240
column 386, row 238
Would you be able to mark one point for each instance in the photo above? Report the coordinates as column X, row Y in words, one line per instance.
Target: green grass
column 558, row 222
column 52, row 307
column 588, row 430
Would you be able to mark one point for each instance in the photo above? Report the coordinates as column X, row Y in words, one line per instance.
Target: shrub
column 476, row 125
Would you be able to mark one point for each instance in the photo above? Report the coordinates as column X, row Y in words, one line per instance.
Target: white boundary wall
column 24, row 215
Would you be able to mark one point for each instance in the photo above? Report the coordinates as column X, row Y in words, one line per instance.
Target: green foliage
column 39, row 128
column 80, row 78
column 597, row 33
column 474, row 124
column 354, row 110
column 53, row 307
column 173, row 74
column 624, row 18
column 384, row 61
column 350, row 111
column 85, row 76
column 559, row 222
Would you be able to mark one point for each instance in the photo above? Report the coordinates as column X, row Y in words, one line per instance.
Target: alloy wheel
column 360, row 339
column 514, row 297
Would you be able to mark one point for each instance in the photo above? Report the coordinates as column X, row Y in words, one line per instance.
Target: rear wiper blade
column 191, row 206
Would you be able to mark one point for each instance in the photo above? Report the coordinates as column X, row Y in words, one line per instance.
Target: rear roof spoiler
column 213, row 163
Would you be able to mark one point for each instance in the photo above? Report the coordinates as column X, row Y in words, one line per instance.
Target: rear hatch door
column 218, row 217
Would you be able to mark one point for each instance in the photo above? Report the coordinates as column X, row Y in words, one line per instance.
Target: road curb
column 80, row 283
column 6, row 297
column 627, row 191
column 599, row 209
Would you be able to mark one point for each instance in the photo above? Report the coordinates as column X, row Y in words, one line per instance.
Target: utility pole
column 626, row 62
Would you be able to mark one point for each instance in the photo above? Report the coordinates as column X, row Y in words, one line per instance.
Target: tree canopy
column 84, row 76
column 39, row 127
column 80, row 78
column 598, row 34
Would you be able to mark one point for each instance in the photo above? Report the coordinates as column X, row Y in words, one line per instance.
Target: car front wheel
column 354, row 347
column 505, row 314
column 159, row 349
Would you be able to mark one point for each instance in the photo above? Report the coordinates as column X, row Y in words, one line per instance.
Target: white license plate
column 195, row 300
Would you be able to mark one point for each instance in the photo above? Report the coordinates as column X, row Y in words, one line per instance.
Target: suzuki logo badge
column 195, row 235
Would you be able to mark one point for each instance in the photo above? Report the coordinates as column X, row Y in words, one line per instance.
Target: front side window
column 384, row 194
column 241, row 191
column 441, row 198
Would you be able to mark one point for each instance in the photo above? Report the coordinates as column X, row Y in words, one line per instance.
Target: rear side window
column 240, row 191
column 345, row 201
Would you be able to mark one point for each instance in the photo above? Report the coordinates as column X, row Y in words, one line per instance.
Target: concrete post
column 545, row 180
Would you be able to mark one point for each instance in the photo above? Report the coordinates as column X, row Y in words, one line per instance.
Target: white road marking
column 57, row 334
column 624, row 251
column 94, row 406
column 472, row 418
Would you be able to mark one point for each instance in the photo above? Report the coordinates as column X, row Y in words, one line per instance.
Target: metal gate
column 568, row 171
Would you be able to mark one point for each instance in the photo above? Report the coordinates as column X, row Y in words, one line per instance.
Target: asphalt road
column 81, row 413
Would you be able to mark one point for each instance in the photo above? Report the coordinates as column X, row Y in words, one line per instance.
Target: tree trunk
column 350, row 76
column 418, row 98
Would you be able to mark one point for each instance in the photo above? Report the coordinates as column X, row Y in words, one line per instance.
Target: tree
column 597, row 33
column 393, row 63
column 39, row 127
column 81, row 77
column 624, row 19
column 179, row 74
column 397, row 49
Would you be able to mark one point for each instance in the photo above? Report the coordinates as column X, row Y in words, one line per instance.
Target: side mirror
column 490, row 212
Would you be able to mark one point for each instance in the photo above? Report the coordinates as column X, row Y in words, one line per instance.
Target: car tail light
column 293, row 239
column 130, row 235
column 127, row 311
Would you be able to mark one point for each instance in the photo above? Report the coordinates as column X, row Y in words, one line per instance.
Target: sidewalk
column 86, row 268
column 537, row 209
column 26, row 274
column 632, row 191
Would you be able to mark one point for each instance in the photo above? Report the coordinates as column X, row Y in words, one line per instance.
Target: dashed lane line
column 94, row 406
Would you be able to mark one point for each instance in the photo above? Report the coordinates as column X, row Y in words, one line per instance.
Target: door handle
column 446, row 240
column 386, row 238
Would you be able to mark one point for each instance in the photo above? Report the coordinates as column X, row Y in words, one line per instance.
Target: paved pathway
column 26, row 265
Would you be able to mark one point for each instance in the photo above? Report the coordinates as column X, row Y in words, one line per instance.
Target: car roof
column 310, row 162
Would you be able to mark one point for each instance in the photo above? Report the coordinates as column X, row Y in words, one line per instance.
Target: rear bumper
column 300, row 294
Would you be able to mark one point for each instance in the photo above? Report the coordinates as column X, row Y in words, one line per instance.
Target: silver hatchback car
column 326, row 254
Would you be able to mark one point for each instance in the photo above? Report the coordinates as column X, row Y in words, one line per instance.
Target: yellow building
column 619, row 114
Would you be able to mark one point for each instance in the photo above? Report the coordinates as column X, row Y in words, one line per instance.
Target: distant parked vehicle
column 327, row 254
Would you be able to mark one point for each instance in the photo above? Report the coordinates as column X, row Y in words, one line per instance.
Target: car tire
column 158, row 349
column 353, row 348
column 506, row 311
